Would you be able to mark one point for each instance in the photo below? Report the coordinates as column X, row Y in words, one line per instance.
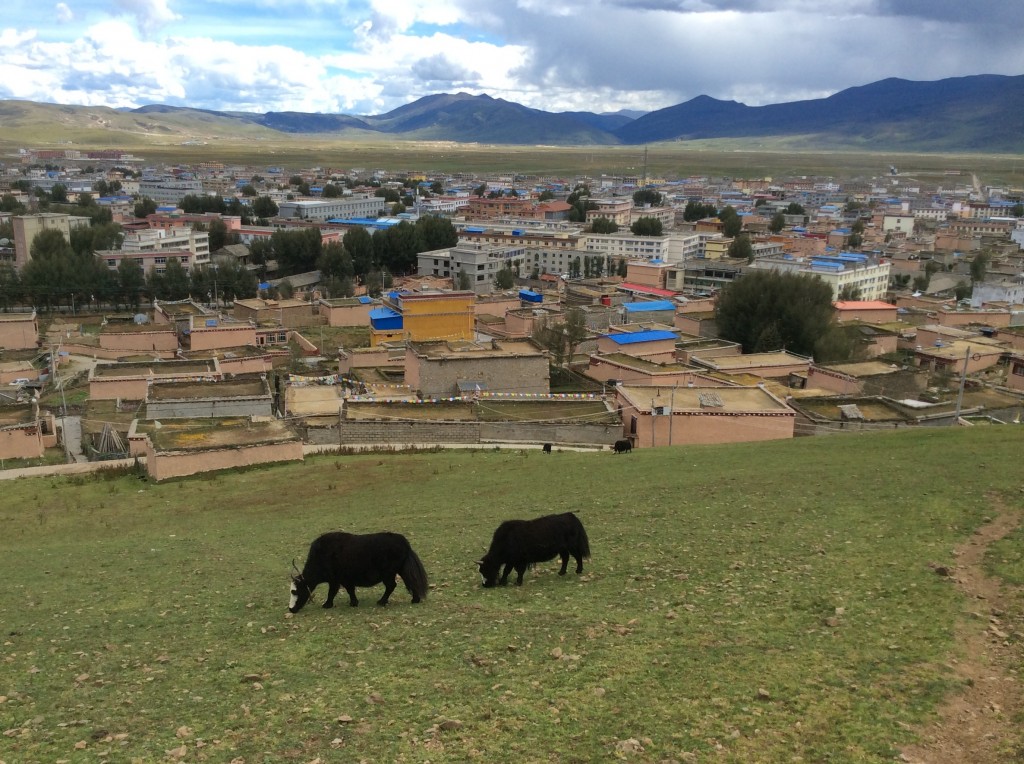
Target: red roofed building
column 869, row 311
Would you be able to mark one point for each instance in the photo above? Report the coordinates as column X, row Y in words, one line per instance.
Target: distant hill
column 979, row 113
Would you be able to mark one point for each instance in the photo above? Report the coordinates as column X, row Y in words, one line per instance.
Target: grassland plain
column 748, row 603
column 724, row 157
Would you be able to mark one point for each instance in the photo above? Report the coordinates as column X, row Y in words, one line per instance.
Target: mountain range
column 982, row 113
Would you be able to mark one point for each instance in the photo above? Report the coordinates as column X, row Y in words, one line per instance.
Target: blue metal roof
column 649, row 305
column 651, row 335
column 364, row 299
column 379, row 313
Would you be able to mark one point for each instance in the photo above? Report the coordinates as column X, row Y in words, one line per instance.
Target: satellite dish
column 141, row 318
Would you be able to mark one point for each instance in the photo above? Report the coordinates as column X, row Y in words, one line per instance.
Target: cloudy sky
column 370, row 56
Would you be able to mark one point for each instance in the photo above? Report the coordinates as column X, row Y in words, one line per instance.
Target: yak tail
column 582, row 540
column 414, row 575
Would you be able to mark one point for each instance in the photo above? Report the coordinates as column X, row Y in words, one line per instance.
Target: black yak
column 623, row 446
column 520, row 544
column 349, row 560
column 546, row 448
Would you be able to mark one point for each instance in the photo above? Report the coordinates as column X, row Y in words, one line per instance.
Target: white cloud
column 595, row 55
column 149, row 15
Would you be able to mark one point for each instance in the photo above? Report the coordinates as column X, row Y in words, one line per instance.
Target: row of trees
column 360, row 253
column 61, row 275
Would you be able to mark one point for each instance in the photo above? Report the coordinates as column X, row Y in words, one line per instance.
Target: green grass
column 744, row 603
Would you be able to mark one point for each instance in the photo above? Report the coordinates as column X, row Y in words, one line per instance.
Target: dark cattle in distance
column 520, row 544
column 547, row 448
column 623, row 446
column 349, row 560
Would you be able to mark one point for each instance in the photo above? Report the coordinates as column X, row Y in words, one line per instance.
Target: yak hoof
column 328, row 604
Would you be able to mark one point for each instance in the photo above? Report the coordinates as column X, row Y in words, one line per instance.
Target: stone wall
column 389, row 432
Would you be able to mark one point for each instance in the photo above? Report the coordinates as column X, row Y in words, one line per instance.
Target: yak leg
column 389, row 586
column 352, row 601
column 504, row 574
column 579, row 563
column 520, row 571
column 565, row 562
column 332, row 590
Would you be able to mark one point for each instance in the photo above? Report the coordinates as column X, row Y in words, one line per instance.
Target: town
column 196, row 318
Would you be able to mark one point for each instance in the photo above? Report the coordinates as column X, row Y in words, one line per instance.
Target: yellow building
column 422, row 316
column 716, row 249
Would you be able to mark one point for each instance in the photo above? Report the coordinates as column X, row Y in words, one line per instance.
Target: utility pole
column 963, row 381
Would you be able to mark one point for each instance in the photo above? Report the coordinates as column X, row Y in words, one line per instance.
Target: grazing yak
column 547, row 448
column 623, row 446
column 348, row 560
column 519, row 544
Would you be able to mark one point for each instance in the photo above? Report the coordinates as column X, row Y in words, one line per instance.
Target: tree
column 979, row 266
column 264, row 207
column 546, row 195
column 463, row 280
column 732, row 223
column 647, row 196
column 10, row 285
column 698, row 211
column 646, row 226
column 795, row 209
column 359, row 244
column 437, row 188
column 505, row 278
column 10, row 203
column 741, row 248
column 436, row 233
column 145, row 206
column 248, row 190
column 130, row 281
column 962, row 290
column 59, row 193
column 850, row 293
column 563, row 337
column 175, row 280
column 753, row 309
column 335, row 262
column 604, row 225
column 330, row 191
column 778, row 222
column 219, row 235
column 1017, row 210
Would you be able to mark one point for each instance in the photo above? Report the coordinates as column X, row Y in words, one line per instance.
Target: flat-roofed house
column 443, row 369
column 673, row 416
column 19, row 331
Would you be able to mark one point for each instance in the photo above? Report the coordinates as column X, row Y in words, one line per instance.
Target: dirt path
column 980, row 725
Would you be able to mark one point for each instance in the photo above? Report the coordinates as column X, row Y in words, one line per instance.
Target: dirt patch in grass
column 982, row 724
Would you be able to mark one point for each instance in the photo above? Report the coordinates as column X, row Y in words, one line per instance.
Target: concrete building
column 322, row 210
column 27, row 227
column 480, row 262
column 169, row 189
column 670, row 248
column 846, row 270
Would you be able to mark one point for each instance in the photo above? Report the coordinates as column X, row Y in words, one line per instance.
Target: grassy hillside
column 743, row 603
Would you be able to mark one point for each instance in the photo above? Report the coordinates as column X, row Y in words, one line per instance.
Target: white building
column 345, row 208
column 670, row 247
column 846, row 270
